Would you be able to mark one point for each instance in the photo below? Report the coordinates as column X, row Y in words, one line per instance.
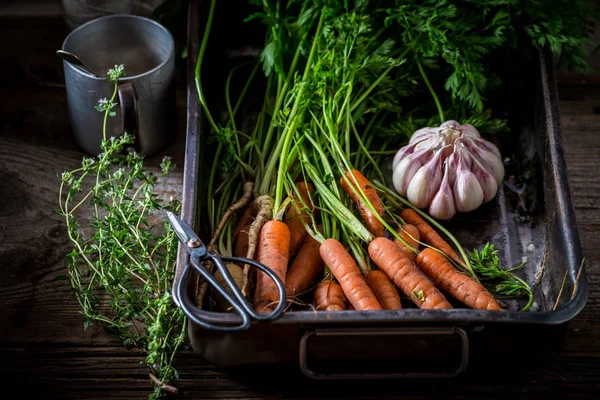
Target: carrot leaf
column 419, row 294
column 499, row 282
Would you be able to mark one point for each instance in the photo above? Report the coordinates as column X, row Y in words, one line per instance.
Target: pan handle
column 431, row 331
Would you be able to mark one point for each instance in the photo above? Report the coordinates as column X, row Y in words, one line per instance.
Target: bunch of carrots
column 310, row 262
column 337, row 237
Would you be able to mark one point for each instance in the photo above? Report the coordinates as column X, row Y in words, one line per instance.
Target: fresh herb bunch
column 500, row 282
column 455, row 38
column 123, row 259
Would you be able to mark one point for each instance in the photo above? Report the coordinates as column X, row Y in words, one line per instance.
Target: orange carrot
column 329, row 296
column 274, row 252
column 305, row 268
column 429, row 235
column 346, row 272
column 462, row 287
column 294, row 221
column 349, row 186
column 384, row 290
column 405, row 232
column 240, row 234
column 403, row 272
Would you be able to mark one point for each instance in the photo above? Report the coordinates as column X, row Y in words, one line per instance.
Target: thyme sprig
column 122, row 262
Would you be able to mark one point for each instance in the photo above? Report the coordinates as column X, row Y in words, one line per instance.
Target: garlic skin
column 468, row 194
column 486, row 180
column 448, row 169
column 442, row 206
column 425, row 183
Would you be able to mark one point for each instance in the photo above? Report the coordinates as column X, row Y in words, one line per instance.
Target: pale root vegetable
column 264, row 211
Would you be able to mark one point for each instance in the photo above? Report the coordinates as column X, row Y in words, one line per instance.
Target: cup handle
column 129, row 115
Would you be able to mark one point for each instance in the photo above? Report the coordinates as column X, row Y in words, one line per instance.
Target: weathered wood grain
column 44, row 351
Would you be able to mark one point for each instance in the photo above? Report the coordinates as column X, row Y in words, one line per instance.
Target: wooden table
column 44, row 349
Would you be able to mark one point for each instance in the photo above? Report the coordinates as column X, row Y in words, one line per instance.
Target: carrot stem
column 435, row 98
column 345, row 216
column 366, row 152
column 433, row 222
column 288, row 131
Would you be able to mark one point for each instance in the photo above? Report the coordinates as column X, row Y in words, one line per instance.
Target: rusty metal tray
column 532, row 216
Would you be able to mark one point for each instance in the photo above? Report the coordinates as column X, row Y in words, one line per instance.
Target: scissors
column 199, row 253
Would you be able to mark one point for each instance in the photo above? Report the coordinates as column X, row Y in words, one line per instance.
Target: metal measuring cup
column 146, row 94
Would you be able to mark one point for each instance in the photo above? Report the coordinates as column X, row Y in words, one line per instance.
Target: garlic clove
column 427, row 143
column 423, row 144
column 468, row 194
column 421, row 133
column 402, row 153
column 486, row 180
column 470, row 131
column 485, row 145
column 465, row 155
column 404, row 172
column 442, row 205
column 452, row 167
column 425, row 182
column 450, row 124
column 488, row 160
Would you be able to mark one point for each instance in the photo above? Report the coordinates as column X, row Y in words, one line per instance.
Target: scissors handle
column 235, row 297
column 207, row 319
column 238, row 293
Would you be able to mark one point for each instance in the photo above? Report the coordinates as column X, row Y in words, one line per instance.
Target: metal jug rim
column 121, row 16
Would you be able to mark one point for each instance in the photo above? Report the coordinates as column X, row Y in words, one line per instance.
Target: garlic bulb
column 448, row 169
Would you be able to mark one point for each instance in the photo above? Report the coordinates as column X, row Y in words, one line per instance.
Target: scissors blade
column 184, row 232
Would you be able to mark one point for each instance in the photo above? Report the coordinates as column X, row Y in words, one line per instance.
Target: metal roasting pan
column 532, row 216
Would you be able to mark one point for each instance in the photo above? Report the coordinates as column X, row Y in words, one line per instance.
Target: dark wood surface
column 44, row 350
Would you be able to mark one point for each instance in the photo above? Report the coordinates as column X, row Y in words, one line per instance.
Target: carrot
column 348, row 184
column 346, row 272
column 459, row 285
column 274, row 249
column 295, row 221
column 405, row 232
column 403, row 272
column 429, row 235
column 240, row 234
column 305, row 268
column 384, row 290
column 329, row 296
